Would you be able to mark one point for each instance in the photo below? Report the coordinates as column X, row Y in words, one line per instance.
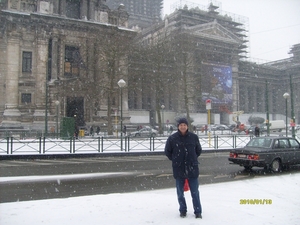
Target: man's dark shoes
column 198, row 216
column 182, row 214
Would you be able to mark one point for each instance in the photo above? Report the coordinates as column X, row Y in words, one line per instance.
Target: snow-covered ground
column 265, row 200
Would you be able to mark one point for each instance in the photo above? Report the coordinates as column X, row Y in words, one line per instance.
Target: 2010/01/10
column 255, row 201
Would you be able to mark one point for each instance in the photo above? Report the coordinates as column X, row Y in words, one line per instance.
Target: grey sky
column 274, row 25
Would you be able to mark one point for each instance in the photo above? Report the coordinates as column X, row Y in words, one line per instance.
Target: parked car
column 144, row 132
column 262, row 129
column 297, row 127
column 200, row 127
column 232, row 127
column 219, row 127
column 268, row 152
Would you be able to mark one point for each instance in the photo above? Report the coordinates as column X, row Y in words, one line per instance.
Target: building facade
column 143, row 13
column 206, row 48
column 54, row 55
column 216, row 67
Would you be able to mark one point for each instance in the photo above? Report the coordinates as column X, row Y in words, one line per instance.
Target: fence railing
column 42, row 145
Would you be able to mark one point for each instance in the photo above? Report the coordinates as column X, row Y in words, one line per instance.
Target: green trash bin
column 67, row 127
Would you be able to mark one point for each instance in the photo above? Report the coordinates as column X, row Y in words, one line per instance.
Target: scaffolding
column 241, row 23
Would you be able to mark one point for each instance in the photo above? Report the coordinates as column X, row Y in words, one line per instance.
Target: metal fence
column 14, row 145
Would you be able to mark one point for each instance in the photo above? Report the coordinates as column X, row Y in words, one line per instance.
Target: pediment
column 215, row 31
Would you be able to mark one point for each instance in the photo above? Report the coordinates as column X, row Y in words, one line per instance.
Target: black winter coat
column 184, row 152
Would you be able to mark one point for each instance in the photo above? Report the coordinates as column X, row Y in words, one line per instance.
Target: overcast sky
column 274, row 25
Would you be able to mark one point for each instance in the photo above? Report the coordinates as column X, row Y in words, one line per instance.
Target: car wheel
column 276, row 165
column 137, row 135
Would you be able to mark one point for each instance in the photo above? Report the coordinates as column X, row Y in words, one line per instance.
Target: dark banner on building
column 217, row 83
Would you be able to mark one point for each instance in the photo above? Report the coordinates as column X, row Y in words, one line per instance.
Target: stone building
column 219, row 70
column 54, row 56
column 213, row 44
column 262, row 86
column 143, row 13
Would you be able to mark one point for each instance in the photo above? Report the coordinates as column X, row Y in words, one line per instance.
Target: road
column 23, row 180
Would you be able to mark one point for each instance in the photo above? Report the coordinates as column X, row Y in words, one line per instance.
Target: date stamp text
column 255, row 201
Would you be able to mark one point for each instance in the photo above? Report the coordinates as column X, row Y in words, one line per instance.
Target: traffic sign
column 208, row 104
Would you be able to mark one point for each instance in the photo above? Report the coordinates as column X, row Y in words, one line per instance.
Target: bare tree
column 150, row 63
column 111, row 65
column 105, row 57
column 187, row 72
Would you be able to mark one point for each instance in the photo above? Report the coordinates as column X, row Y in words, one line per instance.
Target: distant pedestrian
column 91, row 131
column 98, row 130
column 256, row 131
column 76, row 132
column 124, row 129
column 171, row 129
column 183, row 149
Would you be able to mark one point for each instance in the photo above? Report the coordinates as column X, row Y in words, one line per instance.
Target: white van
column 277, row 125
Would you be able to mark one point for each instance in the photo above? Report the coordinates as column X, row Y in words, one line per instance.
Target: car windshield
column 260, row 142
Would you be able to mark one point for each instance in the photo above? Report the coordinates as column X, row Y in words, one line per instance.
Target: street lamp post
column 57, row 114
column 267, row 109
column 46, row 108
column 292, row 108
column 163, row 121
column 286, row 96
column 121, row 84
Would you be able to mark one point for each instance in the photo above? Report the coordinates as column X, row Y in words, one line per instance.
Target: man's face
column 182, row 128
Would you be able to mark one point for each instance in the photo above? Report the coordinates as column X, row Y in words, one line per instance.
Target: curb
column 90, row 155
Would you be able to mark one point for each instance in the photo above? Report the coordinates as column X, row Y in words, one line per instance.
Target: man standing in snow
column 183, row 149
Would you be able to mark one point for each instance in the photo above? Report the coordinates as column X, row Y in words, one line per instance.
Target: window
column 28, row 6
column 27, row 62
column 283, row 143
column 73, row 9
column 25, row 98
column 294, row 143
column 276, row 145
column 72, row 61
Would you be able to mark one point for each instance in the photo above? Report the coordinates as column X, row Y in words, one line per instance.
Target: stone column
column 246, row 97
column 83, row 10
column 55, row 7
column 91, row 15
column 139, row 95
column 254, row 99
column 11, row 112
column 88, row 48
column 40, row 78
column 62, row 8
column 235, row 85
column 54, row 56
